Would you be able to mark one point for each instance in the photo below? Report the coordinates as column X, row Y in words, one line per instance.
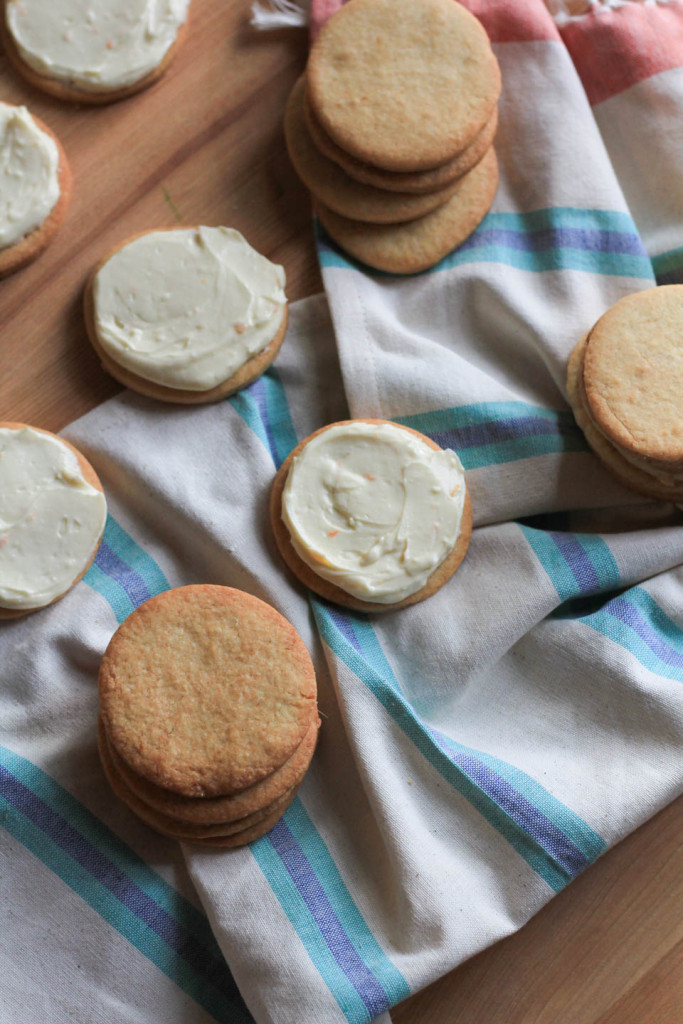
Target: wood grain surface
column 205, row 145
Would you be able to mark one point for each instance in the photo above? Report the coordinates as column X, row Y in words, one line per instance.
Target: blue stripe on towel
column 579, row 565
column 110, row 877
column 313, row 871
column 123, row 573
column 557, row 238
column 490, row 433
column 553, row 840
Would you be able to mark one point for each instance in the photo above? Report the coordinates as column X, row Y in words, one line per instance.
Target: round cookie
column 220, row 809
column 205, row 690
column 340, row 193
column 77, row 571
column 419, row 244
column 179, row 829
column 403, row 84
column 62, row 86
column 23, row 252
column 244, row 375
column 633, row 375
column 414, row 182
column 247, row 835
column 628, row 474
column 329, row 590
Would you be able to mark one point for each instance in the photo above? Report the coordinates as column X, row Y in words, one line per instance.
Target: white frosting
column 29, row 175
column 187, row 308
column 373, row 509
column 51, row 518
column 98, row 45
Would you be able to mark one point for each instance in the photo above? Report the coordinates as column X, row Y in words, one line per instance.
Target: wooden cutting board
column 206, row 146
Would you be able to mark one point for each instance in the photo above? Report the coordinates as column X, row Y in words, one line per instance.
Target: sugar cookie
column 220, row 809
column 340, row 193
column 623, row 379
column 52, row 517
column 180, row 829
column 371, row 514
column 186, row 315
column 35, row 187
column 392, row 181
column 95, row 53
column 419, row 244
column 205, row 690
column 403, row 84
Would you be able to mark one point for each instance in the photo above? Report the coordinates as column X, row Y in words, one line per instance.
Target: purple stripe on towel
column 323, row 913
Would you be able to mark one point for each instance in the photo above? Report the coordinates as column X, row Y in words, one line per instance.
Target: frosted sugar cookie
column 625, row 380
column 415, row 181
column 419, row 244
column 371, row 514
column 206, row 690
column 333, row 187
column 186, row 315
column 52, row 517
column 35, row 187
column 96, row 51
column 403, row 84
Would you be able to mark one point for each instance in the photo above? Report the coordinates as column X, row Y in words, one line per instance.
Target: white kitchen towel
column 479, row 750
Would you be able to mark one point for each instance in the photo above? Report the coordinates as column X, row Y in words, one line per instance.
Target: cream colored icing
column 187, row 308
column 95, row 44
column 51, row 518
column 29, row 175
column 373, row 509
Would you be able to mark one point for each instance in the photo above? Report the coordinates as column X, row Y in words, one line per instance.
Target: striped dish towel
column 478, row 751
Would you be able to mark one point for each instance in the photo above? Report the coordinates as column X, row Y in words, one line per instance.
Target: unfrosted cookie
column 333, row 187
column 414, row 182
column 35, row 187
column 403, row 84
column 221, row 809
column 95, row 53
column 52, row 517
column 633, row 375
column 649, row 480
column 205, row 690
column 184, row 830
column 371, row 515
column 187, row 315
column 419, row 244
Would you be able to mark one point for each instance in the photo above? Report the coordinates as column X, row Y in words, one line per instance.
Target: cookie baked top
column 633, row 373
column 403, row 84
column 205, row 690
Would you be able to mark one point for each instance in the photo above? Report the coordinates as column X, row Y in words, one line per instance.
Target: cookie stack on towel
column 625, row 382
column 392, row 127
column 208, row 716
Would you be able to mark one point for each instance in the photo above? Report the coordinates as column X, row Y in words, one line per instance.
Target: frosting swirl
column 29, row 175
column 187, row 308
column 373, row 509
column 51, row 518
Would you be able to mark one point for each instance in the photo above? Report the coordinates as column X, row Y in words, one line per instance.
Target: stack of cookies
column 208, row 717
column 625, row 381
column 391, row 129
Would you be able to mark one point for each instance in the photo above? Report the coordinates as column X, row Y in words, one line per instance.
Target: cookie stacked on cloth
column 392, row 128
column 625, row 384
column 208, row 716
